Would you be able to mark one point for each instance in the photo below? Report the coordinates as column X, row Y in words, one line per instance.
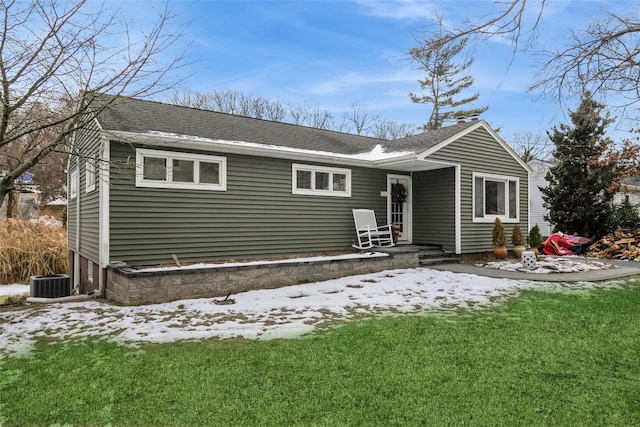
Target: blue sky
column 332, row 54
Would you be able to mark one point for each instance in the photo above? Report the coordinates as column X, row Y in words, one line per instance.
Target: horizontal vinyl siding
column 434, row 208
column 87, row 144
column 256, row 217
column 480, row 152
column 538, row 211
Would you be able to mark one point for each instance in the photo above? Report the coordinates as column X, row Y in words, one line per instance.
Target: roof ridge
column 248, row 117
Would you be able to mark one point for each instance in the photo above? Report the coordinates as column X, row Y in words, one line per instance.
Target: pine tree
column 444, row 80
column 578, row 195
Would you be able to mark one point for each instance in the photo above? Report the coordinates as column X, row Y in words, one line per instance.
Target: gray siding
column 537, row 209
column 87, row 144
column 256, row 217
column 434, row 208
column 478, row 151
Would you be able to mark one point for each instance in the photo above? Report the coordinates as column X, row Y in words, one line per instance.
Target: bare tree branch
column 56, row 57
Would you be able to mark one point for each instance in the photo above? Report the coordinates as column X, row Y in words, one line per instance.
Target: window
column 90, row 271
column 321, row 181
column 168, row 169
column 73, row 184
column 90, row 175
column 495, row 196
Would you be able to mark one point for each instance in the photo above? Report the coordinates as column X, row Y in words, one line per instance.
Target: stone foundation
column 130, row 286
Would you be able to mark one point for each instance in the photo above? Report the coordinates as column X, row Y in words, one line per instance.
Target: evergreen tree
column 578, row 195
column 444, row 80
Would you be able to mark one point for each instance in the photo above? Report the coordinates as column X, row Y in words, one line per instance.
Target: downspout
column 76, row 255
column 103, row 228
column 458, row 209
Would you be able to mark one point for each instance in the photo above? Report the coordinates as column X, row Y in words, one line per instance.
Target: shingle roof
column 138, row 116
column 424, row 141
column 141, row 116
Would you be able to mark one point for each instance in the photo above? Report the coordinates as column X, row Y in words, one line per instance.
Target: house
column 537, row 211
column 629, row 192
column 151, row 180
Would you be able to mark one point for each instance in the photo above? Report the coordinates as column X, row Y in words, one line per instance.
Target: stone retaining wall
column 130, row 286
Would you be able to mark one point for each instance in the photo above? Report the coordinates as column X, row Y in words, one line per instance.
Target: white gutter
column 376, row 158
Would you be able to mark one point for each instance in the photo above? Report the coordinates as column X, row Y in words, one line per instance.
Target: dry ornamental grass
column 30, row 248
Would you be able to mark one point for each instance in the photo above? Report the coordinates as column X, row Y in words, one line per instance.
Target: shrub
column 535, row 238
column 516, row 236
column 30, row 248
column 624, row 215
column 497, row 234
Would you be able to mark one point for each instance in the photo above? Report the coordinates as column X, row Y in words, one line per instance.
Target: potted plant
column 518, row 241
column 499, row 240
column 535, row 239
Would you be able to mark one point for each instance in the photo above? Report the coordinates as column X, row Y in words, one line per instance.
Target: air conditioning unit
column 50, row 286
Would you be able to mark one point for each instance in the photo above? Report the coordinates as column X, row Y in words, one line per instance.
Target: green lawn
column 541, row 359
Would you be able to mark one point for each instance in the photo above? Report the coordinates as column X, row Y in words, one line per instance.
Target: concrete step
column 433, row 255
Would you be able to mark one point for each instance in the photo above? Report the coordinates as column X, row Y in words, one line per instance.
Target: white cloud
column 400, row 9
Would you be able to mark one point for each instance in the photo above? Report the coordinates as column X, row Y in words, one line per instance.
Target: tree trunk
column 12, row 204
column 6, row 185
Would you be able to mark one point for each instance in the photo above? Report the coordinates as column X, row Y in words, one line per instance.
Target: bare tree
column 232, row 102
column 313, row 116
column 250, row 105
column 530, row 146
column 390, row 130
column 603, row 58
column 56, row 58
column 359, row 118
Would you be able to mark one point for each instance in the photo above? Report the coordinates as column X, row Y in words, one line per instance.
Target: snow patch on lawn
column 262, row 314
column 548, row 264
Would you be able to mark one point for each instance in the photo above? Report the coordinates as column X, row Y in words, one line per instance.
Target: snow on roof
column 378, row 152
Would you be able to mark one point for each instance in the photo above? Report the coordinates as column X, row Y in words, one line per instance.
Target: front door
column 399, row 204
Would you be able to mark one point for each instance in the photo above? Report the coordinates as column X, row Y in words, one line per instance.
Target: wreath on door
column 399, row 193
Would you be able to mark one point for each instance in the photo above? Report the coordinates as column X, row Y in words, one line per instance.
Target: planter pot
column 500, row 252
column 517, row 251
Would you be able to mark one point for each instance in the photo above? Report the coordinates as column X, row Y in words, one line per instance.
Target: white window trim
column 90, row 175
column 491, row 218
column 170, row 156
column 295, row 167
column 73, row 184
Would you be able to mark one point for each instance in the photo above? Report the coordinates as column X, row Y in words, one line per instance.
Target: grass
column 31, row 248
column 542, row 359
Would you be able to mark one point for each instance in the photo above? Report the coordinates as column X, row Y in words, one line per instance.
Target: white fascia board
column 494, row 135
column 415, row 164
column 253, row 149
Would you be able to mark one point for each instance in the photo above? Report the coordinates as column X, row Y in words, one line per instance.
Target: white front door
column 399, row 205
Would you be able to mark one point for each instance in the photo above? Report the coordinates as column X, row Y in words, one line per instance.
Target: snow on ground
column 262, row 314
column 552, row 264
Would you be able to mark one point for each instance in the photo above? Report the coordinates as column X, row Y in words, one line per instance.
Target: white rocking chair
column 368, row 232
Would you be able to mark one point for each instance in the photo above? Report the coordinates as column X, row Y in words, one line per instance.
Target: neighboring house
column 537, row 211
column 630, row 192
column 153, row 179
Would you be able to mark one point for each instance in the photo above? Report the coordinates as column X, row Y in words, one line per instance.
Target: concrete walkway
column 620, row 270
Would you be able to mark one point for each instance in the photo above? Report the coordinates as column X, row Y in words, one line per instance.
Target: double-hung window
column 321, row 181
column 168, row 169
column 73, row 184
column 90, row 175
column 495, row 196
